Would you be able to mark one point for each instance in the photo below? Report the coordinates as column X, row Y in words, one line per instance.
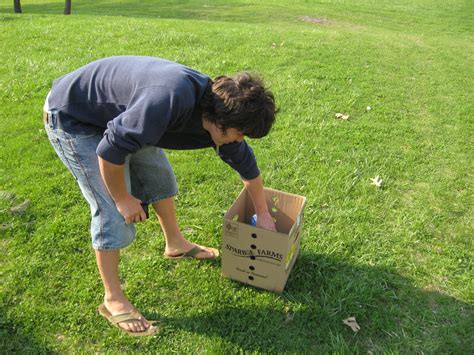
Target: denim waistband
column 51, row 118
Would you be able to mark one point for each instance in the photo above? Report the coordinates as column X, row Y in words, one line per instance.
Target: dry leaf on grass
column 351, row 322
column 275, row 45
column 343, row 116
column 289, row 315
column 5, row 226
column 21, row 207
column 5, row 195
column 377, row 181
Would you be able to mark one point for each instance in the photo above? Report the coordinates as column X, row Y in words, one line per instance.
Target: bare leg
column 175, row 241
column 114, row 299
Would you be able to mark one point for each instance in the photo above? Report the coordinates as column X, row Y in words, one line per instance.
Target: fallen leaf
column 351, row 322
column 289, row 314
column 343, row 116
column 5, row 226
column 21, row 207
column 274, row 45
column 5, row 195
column 377, row 181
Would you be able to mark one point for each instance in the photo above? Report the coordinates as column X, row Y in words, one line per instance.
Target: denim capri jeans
column 148, row 174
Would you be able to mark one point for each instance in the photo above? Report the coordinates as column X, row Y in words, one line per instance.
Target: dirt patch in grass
column 316, row 20
column 324, row 21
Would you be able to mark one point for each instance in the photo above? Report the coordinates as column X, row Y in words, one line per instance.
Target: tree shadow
column 223, row 11
column 322, row 292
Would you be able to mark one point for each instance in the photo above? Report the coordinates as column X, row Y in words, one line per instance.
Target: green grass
column 399, row 259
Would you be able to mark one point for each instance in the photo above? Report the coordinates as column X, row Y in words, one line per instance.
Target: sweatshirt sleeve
column 142, row 123
column 240, row 157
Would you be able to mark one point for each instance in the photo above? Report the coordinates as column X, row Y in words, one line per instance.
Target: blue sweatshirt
column 136, row 101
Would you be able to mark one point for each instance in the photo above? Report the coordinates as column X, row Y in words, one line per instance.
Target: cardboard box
column 256, row 256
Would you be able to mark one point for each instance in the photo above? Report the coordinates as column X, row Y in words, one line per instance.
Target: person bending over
column 109, row 122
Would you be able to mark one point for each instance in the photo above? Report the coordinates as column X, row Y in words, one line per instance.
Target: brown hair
column 239, row 102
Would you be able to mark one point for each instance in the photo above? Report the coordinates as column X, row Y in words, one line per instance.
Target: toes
column 134, row 326
column 142, row 325
column 137, row 326
column 126, row 326
column 206, row 254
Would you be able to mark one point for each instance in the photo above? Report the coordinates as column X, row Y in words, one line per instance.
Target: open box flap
column 284, row 207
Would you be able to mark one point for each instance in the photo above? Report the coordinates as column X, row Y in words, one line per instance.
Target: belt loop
column 51, row 117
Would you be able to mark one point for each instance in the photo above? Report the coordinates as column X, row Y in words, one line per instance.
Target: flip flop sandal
column 193, row 252
column 119, row 318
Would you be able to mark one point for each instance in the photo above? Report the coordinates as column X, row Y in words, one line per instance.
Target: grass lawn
column 398, row 258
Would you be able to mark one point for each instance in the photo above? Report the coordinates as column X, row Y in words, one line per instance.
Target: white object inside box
column 284, row 209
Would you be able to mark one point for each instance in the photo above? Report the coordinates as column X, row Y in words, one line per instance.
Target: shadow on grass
column 321, row 293
column 223, row 11
column 14, row 341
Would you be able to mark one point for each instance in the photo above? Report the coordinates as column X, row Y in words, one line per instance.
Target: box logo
column 257, row 253
column 231, row 229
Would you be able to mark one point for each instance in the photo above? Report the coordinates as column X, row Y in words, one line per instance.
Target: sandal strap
column 194, row 251
column 119, row 318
